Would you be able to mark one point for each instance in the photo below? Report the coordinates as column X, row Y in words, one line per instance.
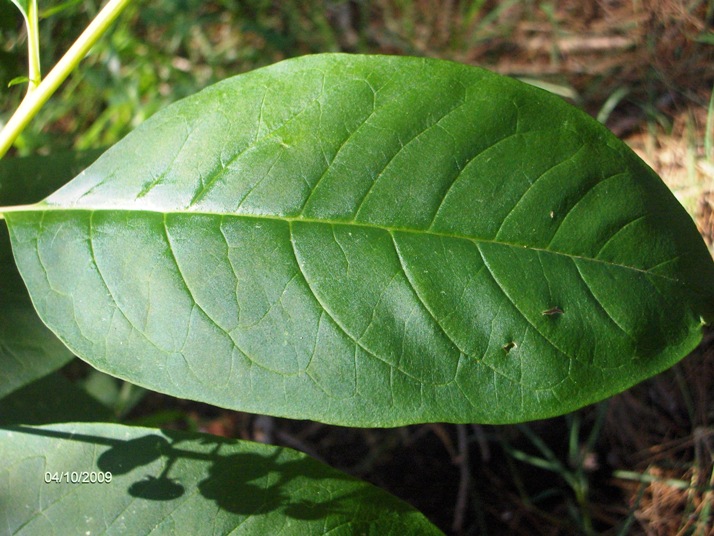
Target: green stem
column 36, row 98
column 33, row 47
column 15, row 208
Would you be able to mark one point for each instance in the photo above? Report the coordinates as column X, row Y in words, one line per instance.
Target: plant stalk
column 14, row 208
column 33, row 48
column 36, row 98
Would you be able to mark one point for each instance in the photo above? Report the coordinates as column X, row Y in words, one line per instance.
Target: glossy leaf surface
column 179, row 483
column 371, row 241
column 28, row 350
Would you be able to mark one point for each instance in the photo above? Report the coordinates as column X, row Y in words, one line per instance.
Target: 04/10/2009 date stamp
column 78, row 477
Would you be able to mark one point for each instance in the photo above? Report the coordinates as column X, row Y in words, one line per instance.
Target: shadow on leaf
column 240, row 477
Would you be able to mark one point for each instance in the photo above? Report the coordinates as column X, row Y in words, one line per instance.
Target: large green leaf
column 371, row 241
column 28, row 350
column 179, row 483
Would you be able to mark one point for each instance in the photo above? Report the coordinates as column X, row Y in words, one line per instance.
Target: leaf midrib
column 292, row 219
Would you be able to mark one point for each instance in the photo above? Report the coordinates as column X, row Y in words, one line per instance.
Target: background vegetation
column 640, row 463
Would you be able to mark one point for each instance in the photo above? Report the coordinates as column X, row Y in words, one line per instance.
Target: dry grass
column 661, row 434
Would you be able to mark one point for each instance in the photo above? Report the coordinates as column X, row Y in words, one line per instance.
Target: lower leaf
column 127, row 480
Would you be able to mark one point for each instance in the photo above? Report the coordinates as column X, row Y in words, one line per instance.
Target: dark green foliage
column 371, row 241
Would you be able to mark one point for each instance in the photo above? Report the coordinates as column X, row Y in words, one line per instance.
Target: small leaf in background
column 58, row 8
column 51, row 399
column 706, row 37
column 180, row 483
column 118, row 395
column 23, row 6
column 17, row 81
column 29, row 179
column 371, row 241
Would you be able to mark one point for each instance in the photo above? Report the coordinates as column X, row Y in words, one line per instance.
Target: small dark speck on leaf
column 553, row 311
column 509, row 346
